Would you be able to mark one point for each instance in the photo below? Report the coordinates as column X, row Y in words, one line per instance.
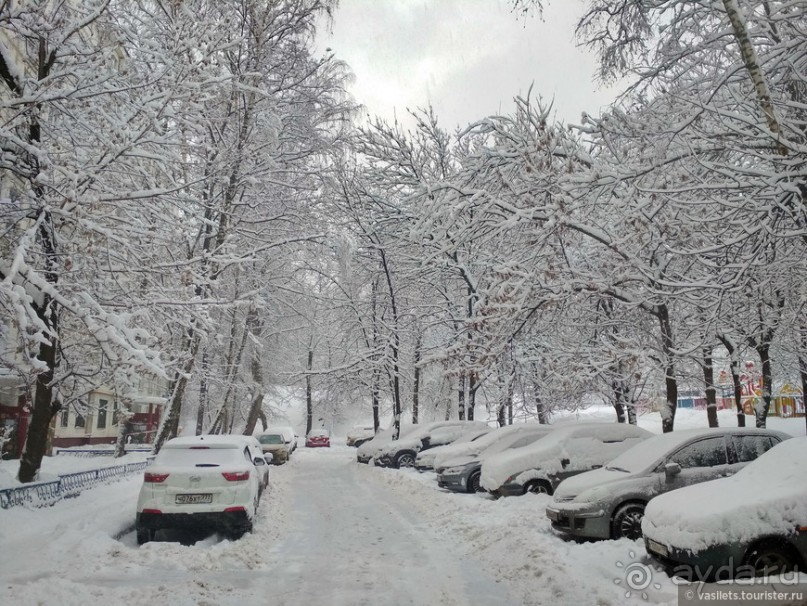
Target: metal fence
column 44, row 494
column 96, row 452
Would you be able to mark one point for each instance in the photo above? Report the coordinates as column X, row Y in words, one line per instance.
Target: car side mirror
column 268, row 457
column 564, row 463
column 258, row 461
column 671, row 470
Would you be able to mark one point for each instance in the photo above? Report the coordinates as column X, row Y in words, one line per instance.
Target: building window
column 79, row 420
column 102, row 406
column 65, row 414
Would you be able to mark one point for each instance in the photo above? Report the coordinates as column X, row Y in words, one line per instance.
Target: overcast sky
column 468, row 58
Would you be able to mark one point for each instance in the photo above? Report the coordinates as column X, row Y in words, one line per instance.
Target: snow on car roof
column 768, row 497
column 590, row 447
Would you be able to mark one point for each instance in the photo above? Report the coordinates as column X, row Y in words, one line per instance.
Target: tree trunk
column 761, row 412
column 416, row 386
column 749, row 55
column 255, row 327
column 510, row 408
column 803, row 370
column 734, row 367
column 203, row 394
column 396, row 348
column 375, row 384
column 45, row 404
column 309, row 400
column 632, row 412
column 170, row 420
column 124, row 420
column 461, row 397
column 473, row 386
column 670, row 381
column 711, row 392
column 619, row 397
column 44, row 409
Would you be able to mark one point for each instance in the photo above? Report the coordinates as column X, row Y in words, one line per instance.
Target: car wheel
column 627, row 521
column 538, row 487
column 405, row 459
column 771, row 558
column 144, row 535
column 473, row 482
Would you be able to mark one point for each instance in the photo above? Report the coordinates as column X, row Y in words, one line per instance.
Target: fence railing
column 96, row 452
column 43, row 494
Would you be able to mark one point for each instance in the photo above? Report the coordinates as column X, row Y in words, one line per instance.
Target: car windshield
column 271, row 439
column 647, row 452
column 318, row 434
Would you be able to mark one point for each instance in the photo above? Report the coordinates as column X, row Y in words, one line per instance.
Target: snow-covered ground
column 329, row 531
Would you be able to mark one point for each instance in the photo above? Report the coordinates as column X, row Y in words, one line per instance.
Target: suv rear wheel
column 144, row 535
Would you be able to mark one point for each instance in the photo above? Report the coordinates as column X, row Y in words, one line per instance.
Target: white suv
column 200, row 481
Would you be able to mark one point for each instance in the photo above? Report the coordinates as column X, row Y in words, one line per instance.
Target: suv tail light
column 235, row 476
column 154, row 477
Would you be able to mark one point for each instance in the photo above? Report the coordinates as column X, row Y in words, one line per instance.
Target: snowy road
column 353, row 541
column 330, row 531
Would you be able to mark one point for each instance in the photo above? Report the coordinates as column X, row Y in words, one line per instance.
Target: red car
column 318, row 437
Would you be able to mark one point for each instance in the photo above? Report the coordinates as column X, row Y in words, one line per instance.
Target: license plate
column 657, row 547
column 552, row 515
column 193, row 499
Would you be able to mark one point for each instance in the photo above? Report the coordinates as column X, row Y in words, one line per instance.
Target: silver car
column 609, row 503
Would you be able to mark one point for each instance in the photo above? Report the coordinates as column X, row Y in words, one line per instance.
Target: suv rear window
column 198, row 457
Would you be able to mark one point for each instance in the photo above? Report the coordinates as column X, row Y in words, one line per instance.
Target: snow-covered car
column 462, row 474
column 402, row 452
column 276, row 443
column 609, row 503
column 367, row 451
column 289, row 437
column 424, row 461
column 318, row 438
column 256, row 452
column 359, row 435
column 200, row 482
column 753, row 523
column 484, row 443
column 569, row 450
